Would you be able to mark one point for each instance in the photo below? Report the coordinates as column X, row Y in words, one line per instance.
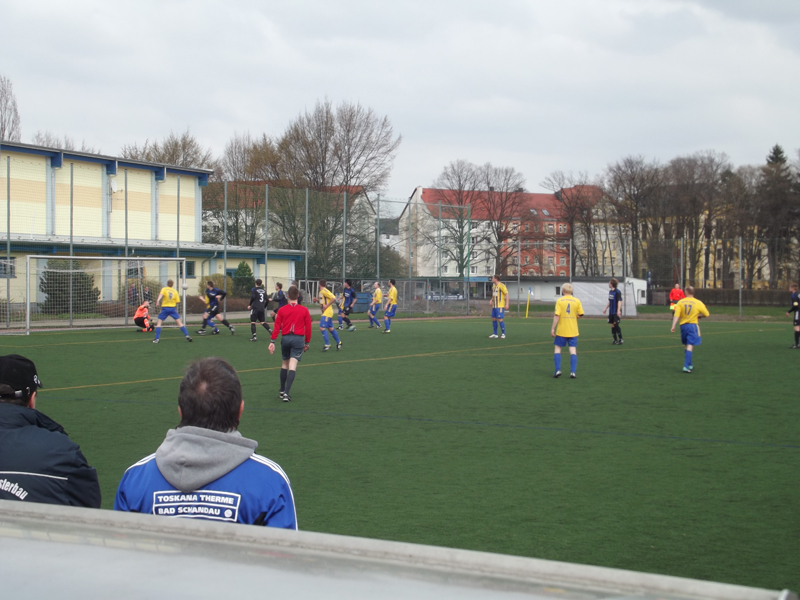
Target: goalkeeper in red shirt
column 142, row 317
column 674, row 295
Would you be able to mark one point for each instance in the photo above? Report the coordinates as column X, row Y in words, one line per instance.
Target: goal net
column 594, row 297
column 79, row 291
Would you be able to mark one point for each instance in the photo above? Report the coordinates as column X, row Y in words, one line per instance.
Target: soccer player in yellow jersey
column 391, row 306
column 499, row 305
column 169, row 298
column 687, row 311
column 374, row 305
column 565, row 329
column 326, row 302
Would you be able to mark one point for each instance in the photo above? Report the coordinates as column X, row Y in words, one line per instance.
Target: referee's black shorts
column 613, row 319
column 292, row 346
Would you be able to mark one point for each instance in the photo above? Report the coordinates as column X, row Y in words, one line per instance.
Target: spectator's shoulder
column 142, row 463
column 270, row 467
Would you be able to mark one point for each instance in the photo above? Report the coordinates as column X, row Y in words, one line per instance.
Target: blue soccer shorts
column 169, row 311
column 373, row 309
column 390, row 311
column 689, row 335
column 325, row 322
column 572, row 342
column 497, row 313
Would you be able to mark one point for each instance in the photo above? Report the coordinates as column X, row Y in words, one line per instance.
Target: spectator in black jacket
column 38, row 462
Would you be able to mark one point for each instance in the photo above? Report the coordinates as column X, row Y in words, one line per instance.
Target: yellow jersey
column 499, row 295
column 392, row 294
column 169, row 297
column 377, row 296
column 568, row 308
column 689, row 310
column 326, row 296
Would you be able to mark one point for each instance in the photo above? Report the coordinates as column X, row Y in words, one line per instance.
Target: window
column 550, row 260
column 545, row 213
column 489, row 269
column 562, row 260
column 514, row 227
column 758, row 274
column 527, row 226
column 535, row 227
column 536, row 261
column 473, row 270
column 613, row 245
column 562, row 229
column 562, row 273
column 719, row 274
column 533, row 211
column 412, row 254
column 527, row 259
column 531, row 273
column 189, row 269
column 445, row 269
column 514, row 260
column 8, row 268
column 550, row 228
column 475, row 254
column 563, row 246
column 558, row 290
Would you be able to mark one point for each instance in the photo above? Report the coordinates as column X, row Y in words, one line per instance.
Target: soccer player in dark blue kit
column 258, row 309
column 349, row 301
column 795, row 308
column 214, row 295
column 614, row 308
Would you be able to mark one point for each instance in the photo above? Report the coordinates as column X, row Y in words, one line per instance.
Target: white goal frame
column 29, row 301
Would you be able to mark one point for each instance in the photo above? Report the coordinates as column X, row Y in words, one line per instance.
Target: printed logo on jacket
column 208, row 504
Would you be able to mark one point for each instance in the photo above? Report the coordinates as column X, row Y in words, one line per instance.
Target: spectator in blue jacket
column 205, row 468
column 38, row 461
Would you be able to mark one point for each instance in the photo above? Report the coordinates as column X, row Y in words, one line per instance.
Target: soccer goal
column 594, row 297
column 105, row 291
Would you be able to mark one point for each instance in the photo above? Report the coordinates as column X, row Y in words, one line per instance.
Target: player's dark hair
column 614, row 283
column 323, row 283
column 209, row 282
column 391, row 281
column 496, row 277
column 279, row 285
column 793, row 286
column 258, row 282
column 349, row 282
column 293, row 293
column 7, row 396
column 210, row 395
column 170, row 283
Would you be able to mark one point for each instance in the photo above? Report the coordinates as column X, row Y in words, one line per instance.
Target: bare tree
column 501, row 205
column 10, row 129
column 49, row 139
column 177, row 150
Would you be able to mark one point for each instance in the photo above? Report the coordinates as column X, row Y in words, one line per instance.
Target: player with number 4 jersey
column 565, row 329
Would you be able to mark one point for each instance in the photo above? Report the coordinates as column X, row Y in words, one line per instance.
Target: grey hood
column 191, row 457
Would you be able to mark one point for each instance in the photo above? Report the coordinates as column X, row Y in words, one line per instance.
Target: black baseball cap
column 19, row 373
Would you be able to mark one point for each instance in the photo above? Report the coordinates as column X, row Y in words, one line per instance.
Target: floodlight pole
column 266, row 233
column 378, row 239
column 225, row 250
column 344, row 239
column 682, row 250
column 740, row 278
column 469, row 253
column 306, row 259
column 8, row 244
column 125, row 286
column 519, row 262
column 409, row 239
column 71, row 217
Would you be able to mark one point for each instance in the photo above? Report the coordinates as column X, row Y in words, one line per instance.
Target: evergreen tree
column 243, row 280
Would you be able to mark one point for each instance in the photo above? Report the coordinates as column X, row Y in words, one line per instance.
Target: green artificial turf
column 436, row 434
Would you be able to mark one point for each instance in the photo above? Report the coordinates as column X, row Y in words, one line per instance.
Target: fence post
column 178, row 215
column 469, row 253
column 71, row 215
column 570, row 260
column 306, row 256
column 378, row 238
column 682, row 251
column 740, row 278
column 225, row 250
column 344, row 239
column 8, row 243
column 125, row 286
column 266, row 234
column 409, row 239
column 519, row 262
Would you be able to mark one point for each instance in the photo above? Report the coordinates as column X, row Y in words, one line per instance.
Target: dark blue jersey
column 614, row 298
column 350, row 297
column 280, row 298
column 212, row 294
column 795, row 303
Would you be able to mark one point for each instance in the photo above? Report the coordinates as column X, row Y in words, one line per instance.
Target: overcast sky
column 539, row 86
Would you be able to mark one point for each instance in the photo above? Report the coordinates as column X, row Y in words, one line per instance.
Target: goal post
column 594, row 297
column 95, row 291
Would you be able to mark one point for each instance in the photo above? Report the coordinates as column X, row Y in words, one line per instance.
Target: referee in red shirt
column 293, row 321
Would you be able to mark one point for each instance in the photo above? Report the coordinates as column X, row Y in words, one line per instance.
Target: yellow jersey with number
column 499, row 294
column 392, row 294
column 169, row 297
column 568, row 308
column 326, row 296
column 689, row 310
